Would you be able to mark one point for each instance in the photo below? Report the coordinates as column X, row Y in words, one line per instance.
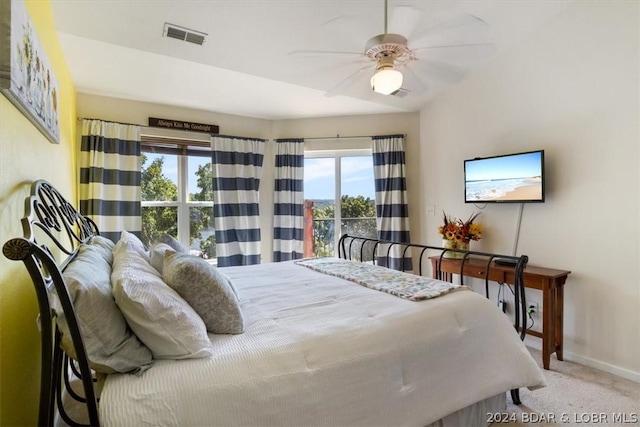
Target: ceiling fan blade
column 312, row 53
column 412, row 83
column 462, row 56
column 345, row 84
column 441, row 72
column 350, row 29
column 465, row 28
column 458, row 45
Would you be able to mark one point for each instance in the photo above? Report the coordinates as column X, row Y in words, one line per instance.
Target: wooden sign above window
column 180, row 125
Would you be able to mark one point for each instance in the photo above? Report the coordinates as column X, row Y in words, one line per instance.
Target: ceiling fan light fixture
column 386, row 81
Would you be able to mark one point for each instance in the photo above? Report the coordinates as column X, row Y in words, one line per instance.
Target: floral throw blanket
column 403, row 285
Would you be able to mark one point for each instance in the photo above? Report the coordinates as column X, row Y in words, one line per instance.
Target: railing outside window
column 320, row 233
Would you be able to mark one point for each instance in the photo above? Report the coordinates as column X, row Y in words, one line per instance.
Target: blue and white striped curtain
column 110, row 177
column 392, row 211
column 237, row 164
column 288, row 208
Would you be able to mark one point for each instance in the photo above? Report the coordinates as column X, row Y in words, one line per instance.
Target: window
column 177, row 193
column 345, row 176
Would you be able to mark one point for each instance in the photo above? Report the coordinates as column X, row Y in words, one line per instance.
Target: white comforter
column 322, row 351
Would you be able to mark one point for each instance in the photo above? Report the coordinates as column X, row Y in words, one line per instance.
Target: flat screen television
column 509, row 178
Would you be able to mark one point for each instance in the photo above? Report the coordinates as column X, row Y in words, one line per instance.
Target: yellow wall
column 25, row 154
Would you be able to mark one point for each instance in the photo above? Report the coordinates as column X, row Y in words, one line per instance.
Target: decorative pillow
column 156, row 255
column 102, row 241
column 160, row 318
column 207, row 290
column 110, row 344
column 133, row 240
column 173, row 242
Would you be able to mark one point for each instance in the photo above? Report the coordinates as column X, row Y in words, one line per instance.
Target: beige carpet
column 576, row 395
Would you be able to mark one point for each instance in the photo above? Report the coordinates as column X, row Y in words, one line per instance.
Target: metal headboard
column 374, row 250
column 48, row 212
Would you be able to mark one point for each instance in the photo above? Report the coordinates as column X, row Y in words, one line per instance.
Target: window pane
column 203, row 237
column 157, row 221
column 319, row 187
column 159, row 177
column 200, row 185
column 357, row 201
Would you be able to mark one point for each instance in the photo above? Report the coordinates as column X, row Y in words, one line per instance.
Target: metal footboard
column 365, row 249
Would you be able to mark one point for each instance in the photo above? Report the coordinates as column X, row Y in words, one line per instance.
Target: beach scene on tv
column 507, row 178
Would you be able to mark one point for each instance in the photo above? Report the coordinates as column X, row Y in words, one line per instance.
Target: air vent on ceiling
column 180, row 33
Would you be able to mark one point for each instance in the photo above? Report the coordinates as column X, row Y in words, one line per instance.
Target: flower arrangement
column 460, row 231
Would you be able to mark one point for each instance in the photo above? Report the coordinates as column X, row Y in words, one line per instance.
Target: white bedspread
column 322, row 351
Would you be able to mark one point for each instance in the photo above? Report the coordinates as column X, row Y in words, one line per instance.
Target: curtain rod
column 217, row 135
column 181, row 130
column 354, row 136
column 112, row 121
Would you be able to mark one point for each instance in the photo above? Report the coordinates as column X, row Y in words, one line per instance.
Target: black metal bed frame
column 369, row 249
column 48, row 212
column 52, row 217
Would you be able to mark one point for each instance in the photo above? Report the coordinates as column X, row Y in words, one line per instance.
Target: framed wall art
column 26, row 76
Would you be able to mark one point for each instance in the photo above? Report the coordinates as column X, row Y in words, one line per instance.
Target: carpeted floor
column 576, row 394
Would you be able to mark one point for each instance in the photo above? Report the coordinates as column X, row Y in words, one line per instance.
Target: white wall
column 572, row 90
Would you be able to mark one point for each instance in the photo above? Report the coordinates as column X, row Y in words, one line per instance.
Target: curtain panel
column 392, row 210
column 110, row 177
column 288, row 209
column 237, row 165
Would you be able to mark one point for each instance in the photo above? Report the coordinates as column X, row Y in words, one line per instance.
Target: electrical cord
column 529, row 310
column 533, row 322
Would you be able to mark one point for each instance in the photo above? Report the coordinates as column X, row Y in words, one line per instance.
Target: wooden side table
column 549, row 281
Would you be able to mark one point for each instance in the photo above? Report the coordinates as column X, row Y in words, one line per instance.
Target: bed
column 322, row 342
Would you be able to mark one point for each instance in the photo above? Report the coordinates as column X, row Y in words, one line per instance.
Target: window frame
column 185, row 145
column 338, row 154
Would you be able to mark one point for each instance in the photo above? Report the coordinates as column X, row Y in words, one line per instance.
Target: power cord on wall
column 530, row 311
column 501, row 303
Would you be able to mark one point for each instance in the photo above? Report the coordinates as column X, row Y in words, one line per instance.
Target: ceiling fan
column 392, row 55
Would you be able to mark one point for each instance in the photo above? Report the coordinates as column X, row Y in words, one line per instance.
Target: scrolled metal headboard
column 46, row 210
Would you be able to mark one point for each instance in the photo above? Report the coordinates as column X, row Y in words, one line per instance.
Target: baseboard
column 536, row 343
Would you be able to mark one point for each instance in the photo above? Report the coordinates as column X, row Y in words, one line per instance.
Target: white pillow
column 160, row 318
column 156, row 255
column 102, row 242
column 207, row 290
column 133, row 240
column 173, row 242
column 110, row 344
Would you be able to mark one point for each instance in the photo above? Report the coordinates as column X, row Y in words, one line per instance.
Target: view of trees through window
column 169, row 209
column 355, row 213
column 177, row 199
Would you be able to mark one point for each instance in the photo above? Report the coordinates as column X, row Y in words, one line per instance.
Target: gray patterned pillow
column 110, row 344
column 207, row 290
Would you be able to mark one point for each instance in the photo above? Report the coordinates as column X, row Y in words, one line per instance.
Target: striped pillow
column 110, row 344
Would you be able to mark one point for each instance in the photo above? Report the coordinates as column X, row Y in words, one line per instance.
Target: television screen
column 510, row 178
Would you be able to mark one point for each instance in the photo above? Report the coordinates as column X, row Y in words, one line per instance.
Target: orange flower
column 461, row 231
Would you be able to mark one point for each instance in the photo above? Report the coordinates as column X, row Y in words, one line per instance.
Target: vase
column 454, row 244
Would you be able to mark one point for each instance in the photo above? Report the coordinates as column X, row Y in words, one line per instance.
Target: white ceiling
column 246, row 66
